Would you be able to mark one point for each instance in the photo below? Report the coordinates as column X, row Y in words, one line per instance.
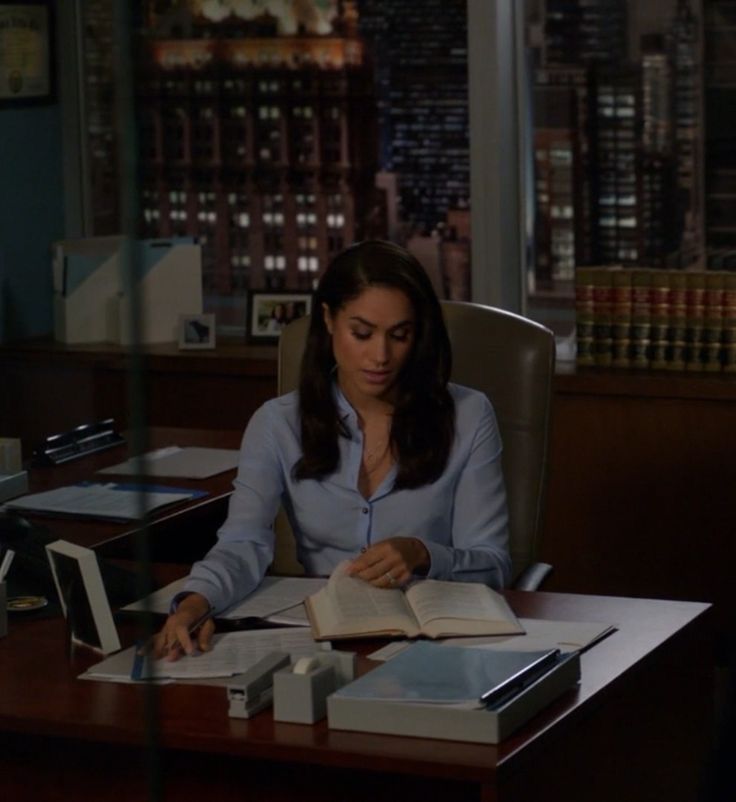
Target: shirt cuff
column 440, row 561
column 193, row 586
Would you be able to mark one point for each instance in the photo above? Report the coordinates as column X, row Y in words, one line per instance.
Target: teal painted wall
column 31, row 217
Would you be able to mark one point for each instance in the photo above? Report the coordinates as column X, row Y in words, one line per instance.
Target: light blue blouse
column 461, row 518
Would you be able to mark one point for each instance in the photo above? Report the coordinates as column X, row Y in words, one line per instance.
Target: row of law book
column 656, row 319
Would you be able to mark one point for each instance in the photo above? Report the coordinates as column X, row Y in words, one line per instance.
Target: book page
column 460, row 608
column 350, row 606
column 355, row 599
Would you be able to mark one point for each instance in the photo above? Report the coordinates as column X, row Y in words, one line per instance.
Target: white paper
column 97, row 501
column 185, row 463
column 541, row 634
column 278, row 599
column 232, row 653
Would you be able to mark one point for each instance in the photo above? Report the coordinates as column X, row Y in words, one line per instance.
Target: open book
column 348, row 607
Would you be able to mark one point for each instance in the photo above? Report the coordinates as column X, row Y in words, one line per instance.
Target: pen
column 194, row 626
column 522, row 678
column 5, row 565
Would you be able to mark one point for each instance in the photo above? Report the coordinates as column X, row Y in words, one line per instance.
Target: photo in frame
column 196, row 331
column 83, row 597
column 26, row 53
column 269, row 311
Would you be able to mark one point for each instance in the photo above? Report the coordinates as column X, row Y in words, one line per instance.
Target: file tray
column 480, row 725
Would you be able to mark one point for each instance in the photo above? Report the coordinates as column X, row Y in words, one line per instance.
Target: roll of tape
column 305, row 664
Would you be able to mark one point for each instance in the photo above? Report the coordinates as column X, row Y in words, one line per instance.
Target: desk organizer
column 300, row 692
column 489, row 725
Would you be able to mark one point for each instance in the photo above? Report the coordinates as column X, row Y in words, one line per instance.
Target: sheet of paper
column 191, row 462
column 567, row 636
column 232, row 653
column 98, row 501
column 278, row 598
column 352, row 598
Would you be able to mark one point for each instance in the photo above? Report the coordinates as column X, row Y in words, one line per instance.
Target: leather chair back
column 509, row 358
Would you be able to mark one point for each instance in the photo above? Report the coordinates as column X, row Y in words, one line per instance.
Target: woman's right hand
column 176, row 637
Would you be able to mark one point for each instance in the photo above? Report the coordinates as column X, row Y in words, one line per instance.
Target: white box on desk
column 87, row 288
column 170, row 285
column 485, row 726
column 90, row 300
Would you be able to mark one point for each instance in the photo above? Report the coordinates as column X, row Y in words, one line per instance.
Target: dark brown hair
column 423, row 425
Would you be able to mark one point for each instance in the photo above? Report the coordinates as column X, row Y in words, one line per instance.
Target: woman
column 376, row 460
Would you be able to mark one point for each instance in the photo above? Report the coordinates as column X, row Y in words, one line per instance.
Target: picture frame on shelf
column 26, row 53
column 196, row 331
column 268, row 311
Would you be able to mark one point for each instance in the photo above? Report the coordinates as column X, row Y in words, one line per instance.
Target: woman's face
column 372, row 337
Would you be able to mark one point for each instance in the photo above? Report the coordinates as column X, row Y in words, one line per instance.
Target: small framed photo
column 196, row 331
column 82, row 594
column 269, row 311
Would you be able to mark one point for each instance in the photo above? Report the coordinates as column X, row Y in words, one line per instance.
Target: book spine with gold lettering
column 676, row 321
column 659, row 318
column 584, row 314
column 695, row 321
column 641, row 319
column 621, row 318
column 728, row 331
column 602, row 321
column 711, row 351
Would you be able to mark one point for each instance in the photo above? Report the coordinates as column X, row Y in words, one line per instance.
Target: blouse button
column 365, row 510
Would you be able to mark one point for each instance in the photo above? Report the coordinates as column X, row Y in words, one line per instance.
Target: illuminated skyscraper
column 631, row 131
column 257, row 136
column 420, row 57
column 720, row 126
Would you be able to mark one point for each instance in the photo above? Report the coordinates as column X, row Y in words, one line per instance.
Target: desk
column 639, row 499
column 635, row 729
column 179, row 534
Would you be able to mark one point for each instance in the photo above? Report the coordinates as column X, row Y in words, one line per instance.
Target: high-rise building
column 618, row 122
column 660, row 235
column 261, row 143
column 420, row 60
column 99, row 138
column 687, row 98
column 720, row 127
column 633, row 138
column 586, row 32
column 564, row 175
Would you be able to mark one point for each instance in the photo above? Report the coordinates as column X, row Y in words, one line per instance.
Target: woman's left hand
column 391, row 563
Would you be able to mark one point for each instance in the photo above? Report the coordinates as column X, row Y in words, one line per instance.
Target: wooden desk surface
column 116, row 538
column 622, row 734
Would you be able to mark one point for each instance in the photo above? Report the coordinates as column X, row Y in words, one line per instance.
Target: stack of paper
column 232, row 653
column 121, row 502
column 184, row 463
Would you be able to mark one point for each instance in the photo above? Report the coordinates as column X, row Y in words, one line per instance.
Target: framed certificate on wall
column 26, row 69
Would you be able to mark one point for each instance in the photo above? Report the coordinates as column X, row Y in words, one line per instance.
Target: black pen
column 522, row 678
column 194, row 626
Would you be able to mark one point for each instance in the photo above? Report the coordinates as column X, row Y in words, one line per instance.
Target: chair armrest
column 532, row 576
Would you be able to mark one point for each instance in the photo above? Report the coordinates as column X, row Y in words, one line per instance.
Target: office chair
column 509, row 358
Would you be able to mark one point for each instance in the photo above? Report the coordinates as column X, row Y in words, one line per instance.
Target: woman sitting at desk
column 377, row 459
